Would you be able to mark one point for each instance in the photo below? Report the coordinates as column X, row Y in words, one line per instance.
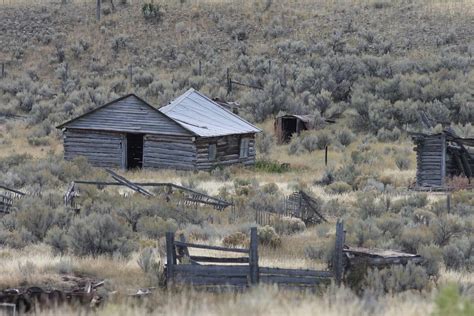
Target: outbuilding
column 193, row 132
column 442, row 156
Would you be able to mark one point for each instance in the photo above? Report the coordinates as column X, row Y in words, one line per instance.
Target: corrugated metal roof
column 204, row 117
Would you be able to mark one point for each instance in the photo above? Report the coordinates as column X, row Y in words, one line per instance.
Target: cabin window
column 212, row 152
column 244, row 147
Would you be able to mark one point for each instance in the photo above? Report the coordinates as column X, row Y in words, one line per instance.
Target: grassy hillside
column 374, row 64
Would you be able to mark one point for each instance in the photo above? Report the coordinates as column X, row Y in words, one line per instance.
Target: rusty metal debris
column 26, row 299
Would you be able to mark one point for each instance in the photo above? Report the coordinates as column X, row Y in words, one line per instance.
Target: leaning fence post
column 253, row 256
column 338, row 252
column 448, row 202
column 170, row 258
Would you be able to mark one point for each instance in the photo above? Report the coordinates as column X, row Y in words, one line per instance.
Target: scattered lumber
column 191, row 198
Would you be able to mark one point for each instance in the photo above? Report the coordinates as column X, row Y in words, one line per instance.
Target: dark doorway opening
column 289, row 128
column 134, row 151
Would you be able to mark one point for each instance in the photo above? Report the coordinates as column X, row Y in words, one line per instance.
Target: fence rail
column 244, row 271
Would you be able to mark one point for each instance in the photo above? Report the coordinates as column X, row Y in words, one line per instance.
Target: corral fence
column 8, row 197
column 182, row 268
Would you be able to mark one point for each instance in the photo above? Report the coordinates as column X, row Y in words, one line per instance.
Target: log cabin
column 193, row 132
column 442, row 156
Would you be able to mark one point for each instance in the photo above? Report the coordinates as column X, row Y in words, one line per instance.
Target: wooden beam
column 190, row 245
column 170, row 258
column 129, row 184
column 253, row 256
column 338, row 252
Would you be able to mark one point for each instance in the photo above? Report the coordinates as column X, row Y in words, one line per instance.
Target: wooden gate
column 182, row 268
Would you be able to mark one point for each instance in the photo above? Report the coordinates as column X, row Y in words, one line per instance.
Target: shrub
column 265, row 142
column 152, row 12
column 413, row 238
column 345, row 137
column 338, row 187
column 155, row 227
column 391, row 224
column 323, row 140
column 402, row 162
column 365, row 233
column 385, row 135
column 369, row 205
column 310, row 142
column 397, row 278
column 271, row 166
column 235, row 240
column 446, row 227
column 268, row 236
column 98, row 234
column 296, row 146
column 152, row 267
column 453, row 257
column 289, row 225
column 449, row 302
column 56, row 238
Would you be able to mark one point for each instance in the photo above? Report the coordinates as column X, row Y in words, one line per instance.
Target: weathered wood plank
column 190, row 245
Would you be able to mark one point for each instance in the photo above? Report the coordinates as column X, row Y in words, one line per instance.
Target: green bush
column 397, row 278
column 453, row 257
column 402, row 162
column 414, row 238
column 267, row 236
column 450, row 302
column 345, row 137
column 57, row 239
column 271, row 166
column 289, row 225
column 310, row 142
column 152, row 12
column 338, row 187
column 156, row 227
column 237, row 239
column 99, row 234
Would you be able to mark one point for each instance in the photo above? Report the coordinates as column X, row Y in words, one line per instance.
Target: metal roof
column 204, row 117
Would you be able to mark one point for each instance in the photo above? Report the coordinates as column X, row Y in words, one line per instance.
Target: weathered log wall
column 431, row 161
column 105, row 149
column 169, row 152
column 102, row 149
column 227, row 151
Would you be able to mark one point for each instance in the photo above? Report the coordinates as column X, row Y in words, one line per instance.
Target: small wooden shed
column 440, row 156
column 289, row 124
column 191, row 133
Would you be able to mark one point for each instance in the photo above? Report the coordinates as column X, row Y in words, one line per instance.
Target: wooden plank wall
column 128, row 115
column 228, row 151
column 169, row 152
column 102, row 149
column 430, row 161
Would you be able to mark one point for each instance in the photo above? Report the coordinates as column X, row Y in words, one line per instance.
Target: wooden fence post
column 97, row 13
column 253, row 256
column 326, row 156
column 200, row 68
column 3, row 70
column 170, row 258
column 448, row 202
column 338, row 264
column 229, row 82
